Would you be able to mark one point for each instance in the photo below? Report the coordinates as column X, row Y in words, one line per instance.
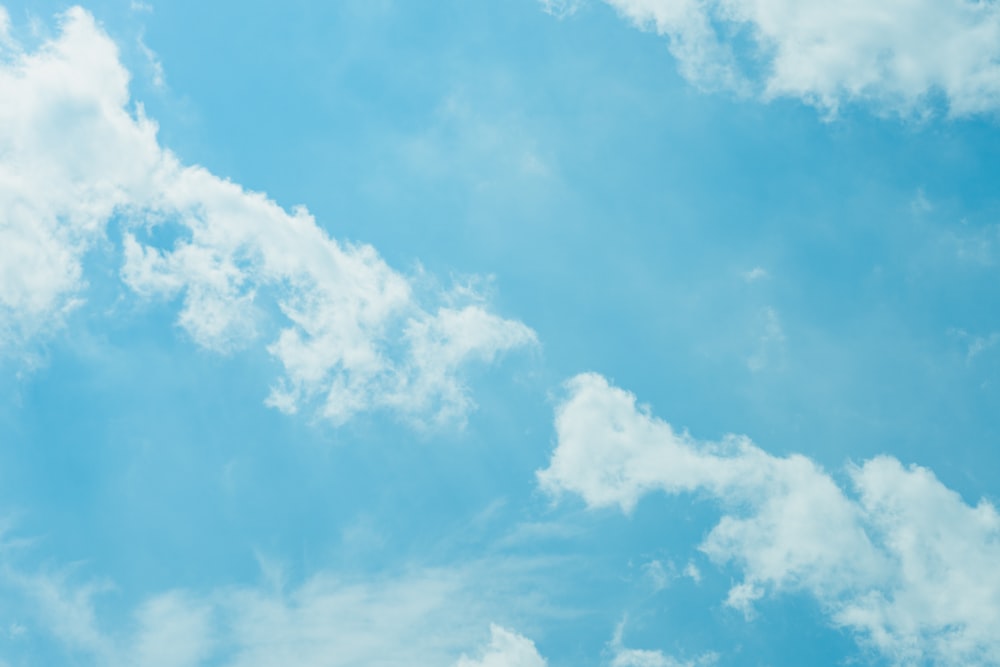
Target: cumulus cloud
column 353, row 333
column 894, row 556
column 70, row 155
column 506, row 649
column 897, row 54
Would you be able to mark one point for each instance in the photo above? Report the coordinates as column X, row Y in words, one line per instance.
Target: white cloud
column 754, row 274
column 157, row 77
column 354, row 334
column 975, row 346
column 423, row 618
column 920, row 204
column 980, row 344
column 769, row 350
column 419, row 618
column 632, row 657
column 506, row 649
column 560, row 8
column 896, row 54
column 976, row 246
column 174, row 631
column 896, row 557
column 60, row 610
column 71, row 155
column 660, row 575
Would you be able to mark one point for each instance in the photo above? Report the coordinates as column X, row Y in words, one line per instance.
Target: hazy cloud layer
column 423, row 617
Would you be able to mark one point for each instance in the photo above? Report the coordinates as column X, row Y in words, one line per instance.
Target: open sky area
column 500, row 333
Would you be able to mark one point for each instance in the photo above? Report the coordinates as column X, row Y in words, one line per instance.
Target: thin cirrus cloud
column 355, row 334
column 895, row 556
column 621, row 656
column 419, row 617
column 900, row 55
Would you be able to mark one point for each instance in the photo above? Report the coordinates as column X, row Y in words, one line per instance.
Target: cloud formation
column 419, row 618
column 895, row 556
column 506, row 649
column 353, row 333
column 899, row 55
column 634, row 657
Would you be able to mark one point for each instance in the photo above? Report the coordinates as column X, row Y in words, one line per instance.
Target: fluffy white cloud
column 506, row 649
column 897, row 557
column 898, row 54
column 70, row 155
column 354, row 334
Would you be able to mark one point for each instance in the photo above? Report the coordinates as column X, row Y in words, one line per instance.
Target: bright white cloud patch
column 70, row 156
column 896, row 53
column 506, row 649
column 897, row 557
column 354, row 334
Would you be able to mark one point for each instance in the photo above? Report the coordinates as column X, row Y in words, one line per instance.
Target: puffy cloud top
column 354, row 334
column 897, row 54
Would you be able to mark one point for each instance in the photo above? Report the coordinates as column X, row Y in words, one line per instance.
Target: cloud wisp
column 902, row 56
column 422, row 616
column 896, row 557
column 353, row 333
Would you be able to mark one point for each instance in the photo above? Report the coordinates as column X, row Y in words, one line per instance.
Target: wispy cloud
column 421, row 617
column 156, row 74
column 506, row 649
column 560, row 8
column 755, row 274
column 770, row 341
column 621, row 656
column 976, row 345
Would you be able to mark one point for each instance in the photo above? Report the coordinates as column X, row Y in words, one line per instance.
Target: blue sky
column 625, row 333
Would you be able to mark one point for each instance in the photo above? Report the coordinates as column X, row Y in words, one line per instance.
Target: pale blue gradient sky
column 825, row 284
